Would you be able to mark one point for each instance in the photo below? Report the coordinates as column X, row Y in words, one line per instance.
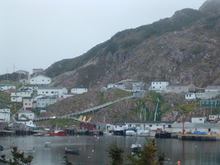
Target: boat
column 58, row 133
column 47, row 144
column 163, row 134
column 69, row 151
column 143, row 132
column 108, row 133
column 135, row 148
column 38, row 134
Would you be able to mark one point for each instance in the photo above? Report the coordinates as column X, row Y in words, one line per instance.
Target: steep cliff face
column 180, row 49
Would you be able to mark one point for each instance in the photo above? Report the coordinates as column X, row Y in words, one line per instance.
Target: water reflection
column 93, row 149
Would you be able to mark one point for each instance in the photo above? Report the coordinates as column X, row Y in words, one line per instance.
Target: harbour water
column 93, row 149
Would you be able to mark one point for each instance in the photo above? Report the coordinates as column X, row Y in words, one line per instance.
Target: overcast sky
column 37, row 33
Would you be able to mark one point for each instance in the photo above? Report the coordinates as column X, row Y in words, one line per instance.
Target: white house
column 190, row 96
column 4, row 87
column 179, row 88
column 159, row 86
column 46, row 101
column 26, row 115
column 28, row 103
column 212, row 91
column 5, row 114
column 40, row 80
column 198, row 119
column 18, row 96
column 152, row 125
column 138, row 86
column 117, row 85
column 79, row 90
column 52, row 91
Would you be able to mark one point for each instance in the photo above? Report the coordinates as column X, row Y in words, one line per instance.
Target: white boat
column 135, row 147
column 130, row 133
column 145, row 132
column 108, row 133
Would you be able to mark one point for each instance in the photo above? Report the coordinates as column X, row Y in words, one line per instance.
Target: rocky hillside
column 181, row 49
column 171, row 107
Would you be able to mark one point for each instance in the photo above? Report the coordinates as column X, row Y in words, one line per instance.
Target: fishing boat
column 58, row 133
column 38, row 134
column 69, row 151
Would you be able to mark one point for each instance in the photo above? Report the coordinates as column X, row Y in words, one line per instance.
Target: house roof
column 56, row 88
column 40, row 76
column 4, row 107
column 25, row 111
column 212, row 87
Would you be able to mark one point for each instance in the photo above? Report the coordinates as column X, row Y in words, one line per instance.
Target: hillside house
column 28, row 103
column 209, row 103
column 40, row 80
column 198, row 119
column 18, row 96
column 138, row 86
column 116, row 85
column 37, row 70
column 180, row 88
column 138, row 94
column 79, row 90
column 52, row 91
column 26, row 115
column 214, row 117
column 212, row 91
column 46, row 101
column 158, row 86
column 4, row 87
column 5, row 114
column 190, row 96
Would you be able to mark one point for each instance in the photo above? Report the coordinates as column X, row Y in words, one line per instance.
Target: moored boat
column 69, row 151
column 58, row 133
column 38, row 134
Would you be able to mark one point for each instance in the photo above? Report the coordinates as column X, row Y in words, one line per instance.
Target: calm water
column 93, row 149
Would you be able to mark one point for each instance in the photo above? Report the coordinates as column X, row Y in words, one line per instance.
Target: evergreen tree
column 116, row 154
column 18, row 158
column 147, row 155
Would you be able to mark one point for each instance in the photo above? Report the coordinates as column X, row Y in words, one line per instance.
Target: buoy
column 178, row 162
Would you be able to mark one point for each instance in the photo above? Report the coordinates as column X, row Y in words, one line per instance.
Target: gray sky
column 37, row 33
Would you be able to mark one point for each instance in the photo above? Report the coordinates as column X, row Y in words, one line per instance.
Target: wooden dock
column 198, row 137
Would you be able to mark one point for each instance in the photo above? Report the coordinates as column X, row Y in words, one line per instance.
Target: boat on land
column 135, row 148
column 58, row 133
column 69, row 151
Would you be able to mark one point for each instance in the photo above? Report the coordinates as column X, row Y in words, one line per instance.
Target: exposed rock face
column 181, row 49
